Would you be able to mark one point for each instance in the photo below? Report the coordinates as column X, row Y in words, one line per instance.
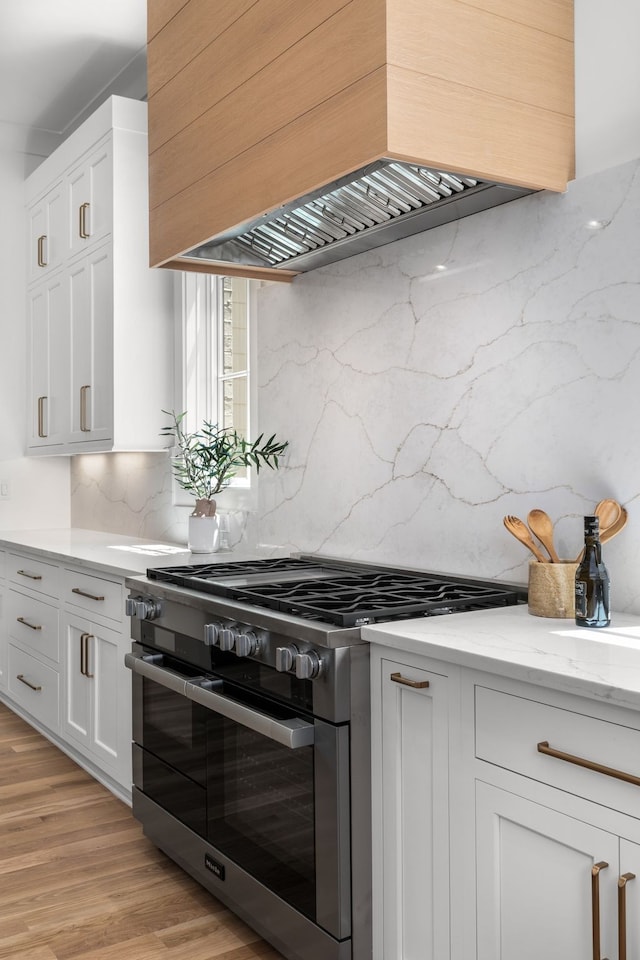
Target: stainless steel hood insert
column 384, row 201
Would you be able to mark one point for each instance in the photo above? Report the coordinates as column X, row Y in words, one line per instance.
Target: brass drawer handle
column 622, row 914
column 41, row 255
column 32, row 626
column 543, row 747
column 595, row 907
column 84, row 416
column 83, row 209
column 84, row 655
column 42, row 431
column 82, row 593
column 20, row 677
column 32, row 576
column 416, row 684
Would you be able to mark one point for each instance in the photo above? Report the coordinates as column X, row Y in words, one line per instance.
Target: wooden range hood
column 265, row 110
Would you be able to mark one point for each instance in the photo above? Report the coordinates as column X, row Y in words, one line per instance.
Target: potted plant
column 206, row 463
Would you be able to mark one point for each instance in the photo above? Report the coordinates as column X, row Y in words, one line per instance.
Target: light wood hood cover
column 254, row 103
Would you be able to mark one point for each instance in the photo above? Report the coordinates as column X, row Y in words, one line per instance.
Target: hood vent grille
column 383, row 202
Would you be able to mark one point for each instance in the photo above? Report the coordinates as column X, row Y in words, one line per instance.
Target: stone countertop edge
column 110, row 553
column 603, row 664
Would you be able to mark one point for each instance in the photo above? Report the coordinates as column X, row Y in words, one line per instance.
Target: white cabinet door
column 91, row 321
column 48, row 351
column 629, row 901
column 90, row 199
column 536, row 895
column 3, row 637
column 46, row 234
column 410, row 814
column 97, row 711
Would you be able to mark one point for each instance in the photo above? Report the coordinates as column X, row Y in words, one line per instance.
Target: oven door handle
column 145, row 666
column 292, row 733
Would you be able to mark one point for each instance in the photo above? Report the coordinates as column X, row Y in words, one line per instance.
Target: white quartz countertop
column 109, row 552
column 600, row 663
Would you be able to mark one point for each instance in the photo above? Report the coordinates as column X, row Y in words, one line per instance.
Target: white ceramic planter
column 204, row 534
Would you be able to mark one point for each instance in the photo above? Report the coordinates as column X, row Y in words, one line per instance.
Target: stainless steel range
column 251, row 732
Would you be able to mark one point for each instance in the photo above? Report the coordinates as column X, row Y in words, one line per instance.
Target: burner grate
column 343, row 596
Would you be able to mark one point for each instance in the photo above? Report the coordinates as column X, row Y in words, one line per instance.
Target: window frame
column 207, row 292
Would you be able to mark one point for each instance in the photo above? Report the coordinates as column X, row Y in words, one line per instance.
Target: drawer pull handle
column 543, row 747
column 416, row 684
column 32, row 576
column 84, row 414
column 20, row 677
column 82, row 593
column 42, row 262
column 42, row 429
column 32, row 626
column 84, row 655
column 622, row 914
column 595, row 907
column 83, row 227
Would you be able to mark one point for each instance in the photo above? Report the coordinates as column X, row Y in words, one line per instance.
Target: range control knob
column 227, row 638
column 285, row 657
column 211, row 631
column 246, row 644
column 143, row 609
column 308, row 665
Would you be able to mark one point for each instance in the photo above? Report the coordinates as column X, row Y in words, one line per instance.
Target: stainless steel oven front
column 248, row 790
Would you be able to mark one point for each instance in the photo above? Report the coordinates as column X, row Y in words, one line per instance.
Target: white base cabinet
column 63, row 644
column 494, row 837
column 100, row 321
column 95, row 689
column 411, row 813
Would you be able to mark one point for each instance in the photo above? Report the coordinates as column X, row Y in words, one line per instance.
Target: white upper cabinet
column 100, row 322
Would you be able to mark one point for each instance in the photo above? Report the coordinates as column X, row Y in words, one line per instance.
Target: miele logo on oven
column 213, row 866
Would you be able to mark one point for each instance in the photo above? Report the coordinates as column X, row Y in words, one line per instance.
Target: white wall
column 39, row 490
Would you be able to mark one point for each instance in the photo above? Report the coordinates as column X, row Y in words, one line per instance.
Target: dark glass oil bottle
column 592, row 580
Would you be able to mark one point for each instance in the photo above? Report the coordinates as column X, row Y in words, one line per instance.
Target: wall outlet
column 4, row 489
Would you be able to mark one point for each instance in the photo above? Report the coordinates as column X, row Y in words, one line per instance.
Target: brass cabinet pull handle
column 595, row 906
column 20, row 677
column 41, row 255
column 416, row 684
column 84, row 655
column 82, row 224
column 82, row 593
column 32, row 626
column 32, row 576
column 84, row 419
column 543, row 747
column 41, row 428
column 622, row 914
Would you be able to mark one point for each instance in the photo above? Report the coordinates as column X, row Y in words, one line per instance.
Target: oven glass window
column 261, row 809
column 175, row 730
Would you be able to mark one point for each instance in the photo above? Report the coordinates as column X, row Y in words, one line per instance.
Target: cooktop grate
column 340, row 595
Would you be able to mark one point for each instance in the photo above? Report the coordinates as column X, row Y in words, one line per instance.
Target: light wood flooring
column 79, row 880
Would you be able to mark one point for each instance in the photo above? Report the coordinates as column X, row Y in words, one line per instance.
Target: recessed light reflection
column 440, row 267
column 596, row 224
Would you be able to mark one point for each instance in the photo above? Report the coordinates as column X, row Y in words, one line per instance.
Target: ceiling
column 57, row 57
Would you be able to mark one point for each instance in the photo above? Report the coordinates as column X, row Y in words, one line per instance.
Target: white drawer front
column 34, row 574
column 509, row 729
column 34, row 686
column 94, row 594
column 34, row 623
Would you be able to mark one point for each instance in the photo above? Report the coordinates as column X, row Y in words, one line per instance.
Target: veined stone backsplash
column 432, row 386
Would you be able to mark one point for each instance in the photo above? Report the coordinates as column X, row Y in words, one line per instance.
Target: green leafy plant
column 211, row 457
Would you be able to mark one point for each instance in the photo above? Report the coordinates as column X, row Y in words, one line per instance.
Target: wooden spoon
column 541, row 524
column 612, row 519
column 615, row 527
column 521, row 532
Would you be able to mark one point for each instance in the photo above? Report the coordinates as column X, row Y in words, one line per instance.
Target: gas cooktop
column 338, row 592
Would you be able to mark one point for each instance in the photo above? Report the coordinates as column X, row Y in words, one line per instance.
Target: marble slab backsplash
column 432, row 386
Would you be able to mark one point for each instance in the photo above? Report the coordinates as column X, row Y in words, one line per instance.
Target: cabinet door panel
column 91, row 315
column 534, row 893
column 104, row 663
column 412, row 879
column 630, row 864
column 90, row 193
column 77, row 694
column 48, row 363
column 46, row 234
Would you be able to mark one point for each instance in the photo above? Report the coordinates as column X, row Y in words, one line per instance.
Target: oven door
column 276, row 795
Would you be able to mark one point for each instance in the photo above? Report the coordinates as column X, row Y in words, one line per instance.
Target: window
column 214, row 355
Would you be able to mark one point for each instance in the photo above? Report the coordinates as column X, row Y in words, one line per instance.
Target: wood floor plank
column 78, row 879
